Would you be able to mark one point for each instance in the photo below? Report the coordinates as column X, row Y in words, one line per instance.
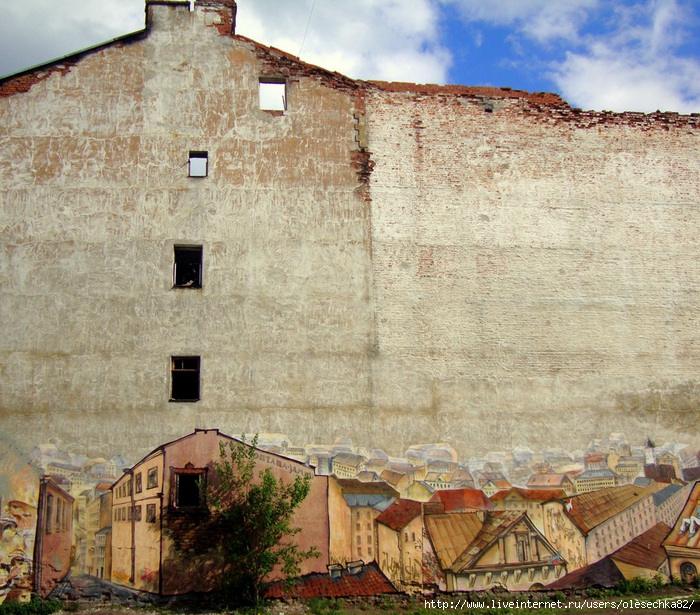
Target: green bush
column 37, row 606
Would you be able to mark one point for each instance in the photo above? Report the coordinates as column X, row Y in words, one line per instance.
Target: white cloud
column 637, row 68
column 37, row 31
column 540, row 20
column 370, row 39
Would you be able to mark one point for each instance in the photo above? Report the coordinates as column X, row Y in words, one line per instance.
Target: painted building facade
column 159, row 509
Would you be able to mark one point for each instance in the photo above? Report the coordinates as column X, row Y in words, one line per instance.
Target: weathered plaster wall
column 94, row 195
column 535, row 269
column 482, row 267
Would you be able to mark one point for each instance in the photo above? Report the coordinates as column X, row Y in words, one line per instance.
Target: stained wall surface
column 535, row 269
column 391, row 262
column 96, row 194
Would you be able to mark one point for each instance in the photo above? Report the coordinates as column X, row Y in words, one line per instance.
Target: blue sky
column 635, row 55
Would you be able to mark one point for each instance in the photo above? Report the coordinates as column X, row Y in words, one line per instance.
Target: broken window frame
column 188, row 487
column 188, row 262
column 185, row 381
column 198, row 164
column 269, row 90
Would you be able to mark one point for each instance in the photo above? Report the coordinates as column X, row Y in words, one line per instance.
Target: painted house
column 400, row 545
column 682, row 545
column 642, row 557
column 551, row 480
column 483, row 550
column 53, row 553
column 587, row 527
column 526, row 500
column 353, row 508
column 158, row 507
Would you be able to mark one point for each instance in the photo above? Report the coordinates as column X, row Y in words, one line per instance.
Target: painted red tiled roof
column 462, row 500
column 399, row 514
column 536, row 495
column 645, row 551
column 370, row 581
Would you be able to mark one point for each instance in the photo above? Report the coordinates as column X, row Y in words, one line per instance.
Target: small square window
column 187, row 267
column 273, row 94
column 199, row 164
column 184, row 378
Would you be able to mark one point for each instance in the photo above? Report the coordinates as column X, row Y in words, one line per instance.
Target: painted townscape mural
column 519, row 519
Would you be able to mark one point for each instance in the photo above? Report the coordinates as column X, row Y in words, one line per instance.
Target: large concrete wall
column 95, row 193
column 483, row 267
column 535, row 267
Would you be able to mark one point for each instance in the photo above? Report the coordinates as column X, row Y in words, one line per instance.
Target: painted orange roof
column 462, row 500
column 370, row 581
column 399, row 514
column 452, row 534
column 535, row 495
column 589, row 510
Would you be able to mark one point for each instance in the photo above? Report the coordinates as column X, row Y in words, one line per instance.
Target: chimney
column 224, row 4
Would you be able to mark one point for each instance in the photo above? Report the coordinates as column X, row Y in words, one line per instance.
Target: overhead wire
column 307, row 28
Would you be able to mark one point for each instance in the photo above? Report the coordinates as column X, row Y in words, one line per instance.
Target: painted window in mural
column 184, row 378
column 152, row 478
column 49, row 513
column 137, row 483
column 150, row 513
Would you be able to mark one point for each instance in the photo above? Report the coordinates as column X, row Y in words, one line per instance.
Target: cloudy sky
column 619, row 55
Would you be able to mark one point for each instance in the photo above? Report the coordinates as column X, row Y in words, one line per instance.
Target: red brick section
column 24, row 82
column 370, row 581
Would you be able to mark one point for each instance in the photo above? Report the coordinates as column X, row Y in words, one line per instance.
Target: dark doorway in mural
column 688, row 572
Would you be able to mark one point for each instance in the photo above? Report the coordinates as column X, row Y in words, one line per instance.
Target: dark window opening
column 150, row 513
column 185, row 379
column 187, row 490
column 187, row 267
column 137, row 483
column 199, row 164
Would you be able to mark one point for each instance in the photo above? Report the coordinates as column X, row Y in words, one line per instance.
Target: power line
column 307, row 28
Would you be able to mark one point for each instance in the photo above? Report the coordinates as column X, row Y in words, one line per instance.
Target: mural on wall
column 19, row 494
column 519, row 519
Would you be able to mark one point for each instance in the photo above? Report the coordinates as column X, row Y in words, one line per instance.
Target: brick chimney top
column 224, row 5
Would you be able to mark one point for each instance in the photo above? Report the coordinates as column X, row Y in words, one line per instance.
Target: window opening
column 273, row 94
column 188, row 483
column 152, row 478
column 187, row 267
column 184, row 378
column 199, row 164
column 150, row 513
